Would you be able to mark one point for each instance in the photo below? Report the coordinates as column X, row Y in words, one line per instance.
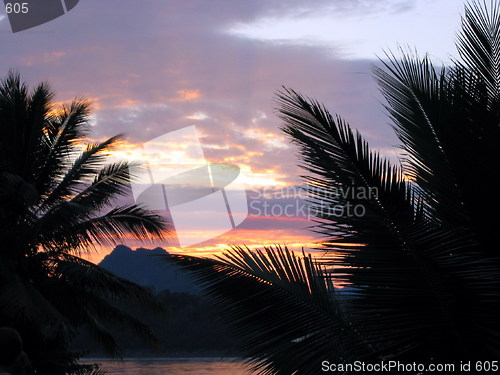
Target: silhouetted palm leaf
column 284, row 306
column 55, row 205
column 407, row 267
column 421, row 260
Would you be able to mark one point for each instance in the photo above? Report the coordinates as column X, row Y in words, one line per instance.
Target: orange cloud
column 186, row 95
column 251, row 238
column 175, row 153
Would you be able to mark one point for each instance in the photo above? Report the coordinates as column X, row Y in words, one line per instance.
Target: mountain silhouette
column 143, row 266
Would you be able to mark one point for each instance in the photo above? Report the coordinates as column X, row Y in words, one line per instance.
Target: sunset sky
column 152, row 67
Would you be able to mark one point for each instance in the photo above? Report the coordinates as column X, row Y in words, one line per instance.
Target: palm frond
column 76, row 271
column 62, row 132
column 87, row 165
column 81, row 231
column 416, row 96
column 19, row 298
column 340, row 162
column 403, row 263
column 282, row 306
column 53, row 203
column 112, row 181
column 479, row 44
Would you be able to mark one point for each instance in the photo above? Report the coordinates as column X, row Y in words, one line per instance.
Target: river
column 175, row 366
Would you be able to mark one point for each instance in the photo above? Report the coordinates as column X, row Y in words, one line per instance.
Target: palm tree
column 421, row 261
column 53, row 202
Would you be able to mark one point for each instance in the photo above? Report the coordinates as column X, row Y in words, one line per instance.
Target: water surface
column 177, row 366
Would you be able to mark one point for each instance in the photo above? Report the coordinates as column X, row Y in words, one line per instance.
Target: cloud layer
column 156, row 66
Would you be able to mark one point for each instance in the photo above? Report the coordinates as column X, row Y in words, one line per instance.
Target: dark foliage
column 422, row 262
column 193, row 326
column 53, row 202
